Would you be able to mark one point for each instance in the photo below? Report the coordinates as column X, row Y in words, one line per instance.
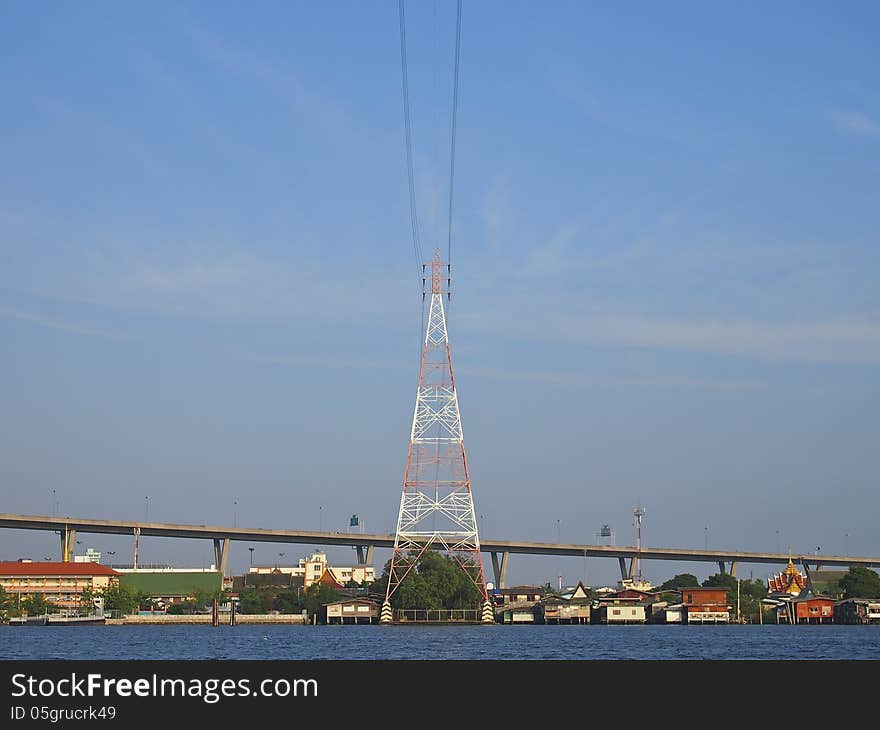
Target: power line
column 413, row 214
column 454, row 120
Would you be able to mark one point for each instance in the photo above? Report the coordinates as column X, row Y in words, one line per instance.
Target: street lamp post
column 234, row 512
column 146, row 509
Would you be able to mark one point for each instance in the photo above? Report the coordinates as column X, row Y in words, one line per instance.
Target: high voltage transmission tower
column 436, row 507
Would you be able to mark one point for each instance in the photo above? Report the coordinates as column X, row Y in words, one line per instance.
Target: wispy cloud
column 64, row 325
column 324, row 362
column 854, row 341
column 852, row 122
column 574, row 380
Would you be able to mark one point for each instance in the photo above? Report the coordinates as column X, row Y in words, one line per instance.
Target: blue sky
column 665, row 257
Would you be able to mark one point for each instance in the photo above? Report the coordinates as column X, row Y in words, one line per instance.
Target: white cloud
column 63, row 325
column 855, row 341
column 853, row 122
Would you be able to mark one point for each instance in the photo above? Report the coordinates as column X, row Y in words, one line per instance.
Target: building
column 572, row 607
column 812, row 608
column 662, row 612
column 808, row 607
column 790, row 581
column 518, row 605
column 517, row 595
column 311, row 568
column 275, row 579
column 857, row 611
column 167, row 586
column 91, row 556
column 636, row 583
column 328, row 579
column 61, row 584
column 614, row 610
column 352, row 611
column 644, row 596
column 705, row 606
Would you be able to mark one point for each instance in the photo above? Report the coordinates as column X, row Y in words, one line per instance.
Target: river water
column 440, row 642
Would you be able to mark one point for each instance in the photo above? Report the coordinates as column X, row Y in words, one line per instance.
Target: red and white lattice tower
column 436, row 507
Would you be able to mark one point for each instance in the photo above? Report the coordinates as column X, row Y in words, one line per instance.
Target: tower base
column 386, row 616
column 488, row 615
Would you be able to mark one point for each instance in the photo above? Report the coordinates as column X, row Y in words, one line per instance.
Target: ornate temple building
column 790, row 581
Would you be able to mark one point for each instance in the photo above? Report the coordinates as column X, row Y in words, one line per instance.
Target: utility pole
column 738, row 612
column 638, row 513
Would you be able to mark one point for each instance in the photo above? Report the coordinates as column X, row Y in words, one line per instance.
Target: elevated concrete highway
column 500, row 550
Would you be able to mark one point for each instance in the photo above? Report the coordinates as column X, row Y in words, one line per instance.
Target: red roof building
column 61, row 584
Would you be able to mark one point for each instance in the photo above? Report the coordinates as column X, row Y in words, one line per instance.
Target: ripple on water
column 440, row 642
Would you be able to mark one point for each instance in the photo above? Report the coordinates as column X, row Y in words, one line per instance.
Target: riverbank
column 205, row 619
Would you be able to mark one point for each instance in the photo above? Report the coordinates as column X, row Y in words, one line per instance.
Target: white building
column 311, row 568
column 91, row 556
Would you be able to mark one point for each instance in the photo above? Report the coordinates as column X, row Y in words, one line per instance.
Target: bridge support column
column 807, row 572
column 623, row 572
column 499, row 570
column 221, row 554
column 364, row 554
column 631, row 571
column 722, row 568
column 68, row 540
column 733, row 569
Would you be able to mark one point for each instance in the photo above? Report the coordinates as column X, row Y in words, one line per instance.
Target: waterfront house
column 572, row 607
column 662, row 612
column 705, row 605
column 61, row 584
column 517, row 595
column 352, row 611
column 812, row 608
column 614, row 610
column 808, row 607
column 857, row 611
column 643, row 596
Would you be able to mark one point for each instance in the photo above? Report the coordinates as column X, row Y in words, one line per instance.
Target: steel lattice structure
column 436, row 507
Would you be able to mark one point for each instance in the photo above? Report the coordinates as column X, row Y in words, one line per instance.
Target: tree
column 288, row 601
column 254, row 600
column 35, row 604
column 721, row 580
column 860, row 582
column 120, row 598
column 682, row 580
column 6, row 603
column 436, row 581
column 317, row 595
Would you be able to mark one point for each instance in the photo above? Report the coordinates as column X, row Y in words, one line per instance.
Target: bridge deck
column 216, row 532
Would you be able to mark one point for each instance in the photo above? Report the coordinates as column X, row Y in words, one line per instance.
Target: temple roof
column 791, row 580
